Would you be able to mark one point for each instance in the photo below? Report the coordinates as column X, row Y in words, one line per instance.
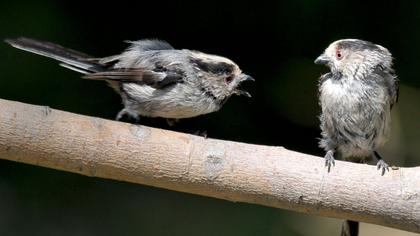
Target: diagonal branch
column 270, row 176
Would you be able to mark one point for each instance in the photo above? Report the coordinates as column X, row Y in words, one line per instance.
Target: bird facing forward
column 356, row 98
column 153, row 78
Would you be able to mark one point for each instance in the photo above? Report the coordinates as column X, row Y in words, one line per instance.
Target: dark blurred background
column 275, row 42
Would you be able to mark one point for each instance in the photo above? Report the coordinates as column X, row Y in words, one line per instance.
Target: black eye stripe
column 215, row 68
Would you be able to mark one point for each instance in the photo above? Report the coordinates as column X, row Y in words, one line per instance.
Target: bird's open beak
column 322, row 60
column 243, row 78
column 247, row 78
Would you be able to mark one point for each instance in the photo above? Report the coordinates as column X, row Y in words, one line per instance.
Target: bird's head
column 221, row 77
column 355, row 58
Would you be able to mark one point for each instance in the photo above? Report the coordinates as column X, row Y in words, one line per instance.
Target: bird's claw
column 129, row 114
column 201, row 133
column 383, row 166
column 329, row 159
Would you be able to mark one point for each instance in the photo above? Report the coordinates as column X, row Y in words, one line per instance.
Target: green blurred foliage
column 275, row 42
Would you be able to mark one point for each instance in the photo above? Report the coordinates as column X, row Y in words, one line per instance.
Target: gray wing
column 146, row 62
column 390, row 81
column 155, row 79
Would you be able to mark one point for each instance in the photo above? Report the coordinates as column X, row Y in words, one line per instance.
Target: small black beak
column 322, row 60
column 247, row 78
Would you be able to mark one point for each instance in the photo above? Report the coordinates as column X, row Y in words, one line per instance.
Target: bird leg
column 381, row 163
column 129, row 114
column 329, row 159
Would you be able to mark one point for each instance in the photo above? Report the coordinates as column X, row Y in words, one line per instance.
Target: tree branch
column 270, row 176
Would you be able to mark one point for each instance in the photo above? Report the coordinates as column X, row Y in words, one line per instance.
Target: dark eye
column 339, row 54
column 229, row 79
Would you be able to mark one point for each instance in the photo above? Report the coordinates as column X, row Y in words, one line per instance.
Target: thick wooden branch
column 270, row 176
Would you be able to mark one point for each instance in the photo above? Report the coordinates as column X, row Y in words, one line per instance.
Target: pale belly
column 176, row 103
column 355, row 118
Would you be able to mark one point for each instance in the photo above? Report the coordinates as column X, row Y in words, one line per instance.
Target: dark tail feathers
column 70, row 59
